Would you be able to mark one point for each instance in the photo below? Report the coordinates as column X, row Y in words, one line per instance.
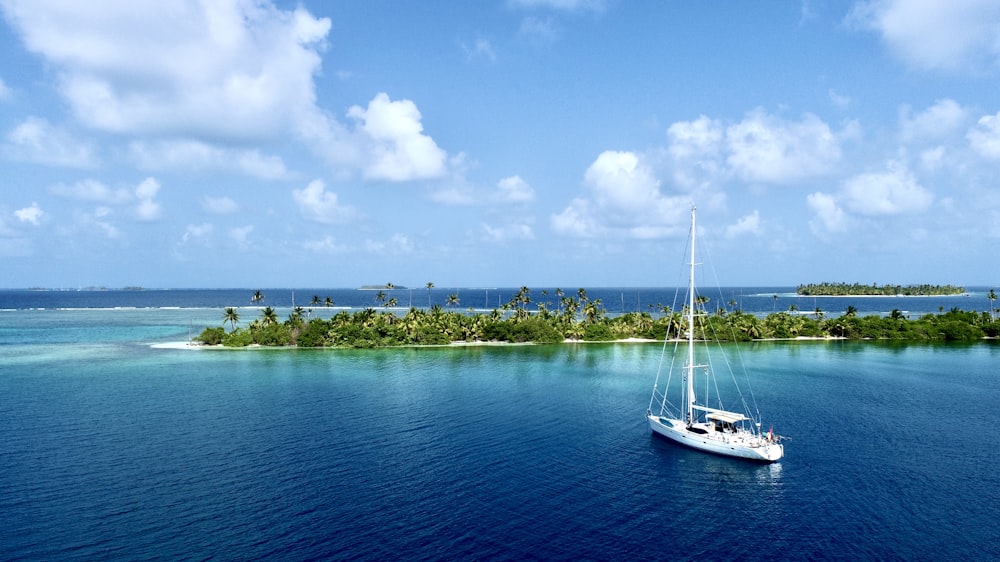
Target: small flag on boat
column 770, row 434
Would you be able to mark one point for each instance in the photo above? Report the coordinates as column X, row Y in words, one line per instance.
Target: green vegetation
column 579, row 318
column 856, row 289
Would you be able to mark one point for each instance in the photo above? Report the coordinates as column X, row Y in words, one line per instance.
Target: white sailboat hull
column 743, row 445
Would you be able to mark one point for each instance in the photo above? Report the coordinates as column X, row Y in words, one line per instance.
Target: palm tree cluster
column 580, row 318
column 843, row 289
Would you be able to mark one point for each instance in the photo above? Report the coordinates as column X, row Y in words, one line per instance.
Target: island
column 579, row 319
column 857, row 289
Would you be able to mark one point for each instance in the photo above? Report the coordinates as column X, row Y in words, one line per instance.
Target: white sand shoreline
column 194, row 345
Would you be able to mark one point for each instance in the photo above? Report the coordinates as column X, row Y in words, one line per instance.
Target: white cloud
column 196, row 155
column 454, row 196
column 892, row 192
column 839, row 99
column 219, row 205
column 201, row 69
column 32, row 214
column 539, row 31
column 398, row 149
column 36, row 140
column 241, row 234
column 514, row 190
column 829, row 216
column 92, row 190
column 506, row 233
column 762, row 148
column 96, row 221
column 197, row 232
column 746, row 225
column 562, row 5
column 481, row 48
column 325, row 245
column 147, row 209
column 625, row 202
column 985, row 136
column 767, row 148
column 696, row 148
column 940, row 120
column 319, row 205
column 935, row 34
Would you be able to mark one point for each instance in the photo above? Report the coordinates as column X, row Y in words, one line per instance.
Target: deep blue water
column 115, row 449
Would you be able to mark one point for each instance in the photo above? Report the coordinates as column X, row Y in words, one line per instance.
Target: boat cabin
column 725, row 422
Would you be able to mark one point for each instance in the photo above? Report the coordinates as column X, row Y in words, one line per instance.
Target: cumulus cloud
column 147, row 209
column 241, row 234
column 93, row 191
column 509, row 232
column 397, row 148
column 829, row 216
column 748, row 225
column 514, row 190
column 325, row 245
column 940, row 120
column 319, row 205
column 625, row 201
column 935, row 34
column 984, row 138
column 98, row 220
column 760, row 148
column 767, row 148
column 893, row 192
column 32, row 214
column 36, row 140
column 197, row 232
column 197, row 69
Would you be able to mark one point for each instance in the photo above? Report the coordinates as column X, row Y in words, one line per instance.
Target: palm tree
column 593, row 311
column 992, row 296
column 328, row 302
column 452, row 300
column 257, row 297
column 315, row 301
column 269, row 316
column 230, row 315
column 430, row 285
column 851, row 311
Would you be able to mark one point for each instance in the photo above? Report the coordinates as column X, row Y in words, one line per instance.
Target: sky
column 540, row 143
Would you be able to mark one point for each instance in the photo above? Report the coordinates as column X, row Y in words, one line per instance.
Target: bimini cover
column 723, row 416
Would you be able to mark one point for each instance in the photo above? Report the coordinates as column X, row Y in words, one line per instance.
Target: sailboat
column 696, row 424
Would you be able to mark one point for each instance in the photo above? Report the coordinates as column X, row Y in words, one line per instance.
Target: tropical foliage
column 578, row 318
column 842, row 289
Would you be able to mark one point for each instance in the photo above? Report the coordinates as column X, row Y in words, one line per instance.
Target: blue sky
column 517, row 142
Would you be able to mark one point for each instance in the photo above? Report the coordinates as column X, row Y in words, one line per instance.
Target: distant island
column 574, row 319
column 387, row 286
column 857, row 289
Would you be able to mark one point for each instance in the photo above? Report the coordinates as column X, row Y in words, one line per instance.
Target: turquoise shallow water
column 113, row 448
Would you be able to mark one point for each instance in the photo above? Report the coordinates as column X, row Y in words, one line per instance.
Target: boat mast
column 690, row 319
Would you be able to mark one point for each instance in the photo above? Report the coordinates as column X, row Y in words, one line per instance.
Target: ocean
column 116, row 447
